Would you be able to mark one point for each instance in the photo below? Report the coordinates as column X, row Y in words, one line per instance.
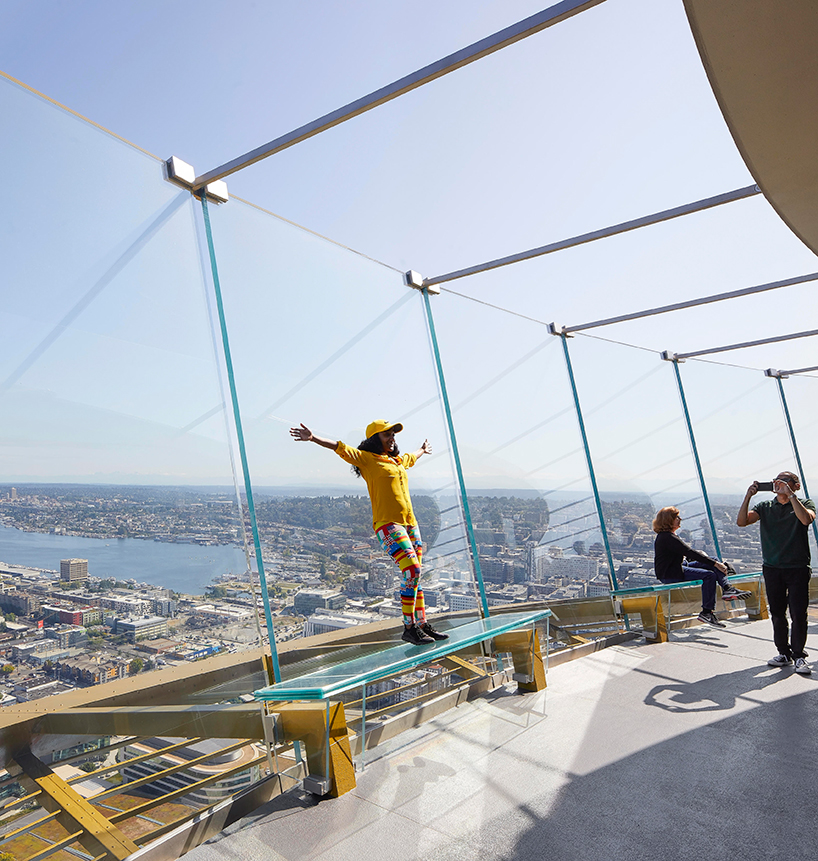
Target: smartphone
column 765, row 485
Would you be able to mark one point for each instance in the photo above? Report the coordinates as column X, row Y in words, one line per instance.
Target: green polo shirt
column 784, row 539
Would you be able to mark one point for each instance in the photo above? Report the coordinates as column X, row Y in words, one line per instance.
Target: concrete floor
column 690, row 749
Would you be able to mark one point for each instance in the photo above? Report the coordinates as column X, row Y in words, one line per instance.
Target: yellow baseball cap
column 380, row 426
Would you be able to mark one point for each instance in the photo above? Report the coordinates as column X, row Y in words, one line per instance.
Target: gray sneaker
column 781, row 661
column 733, row 594
column 711, row 618
column 801, row 666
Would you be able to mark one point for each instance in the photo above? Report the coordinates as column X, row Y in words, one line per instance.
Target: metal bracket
column 416, row 280
column 180, row 172
column 269, row 721
column 317, row 784
column 670, row 356
column 559, row 329
column 774, row 372
column 183, row 174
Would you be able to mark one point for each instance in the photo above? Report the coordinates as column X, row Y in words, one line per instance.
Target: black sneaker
column 710, row 618
column 431, row 632
column 733, row 594
column 414, row 635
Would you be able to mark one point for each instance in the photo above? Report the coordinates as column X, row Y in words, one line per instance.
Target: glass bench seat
column 395, row 659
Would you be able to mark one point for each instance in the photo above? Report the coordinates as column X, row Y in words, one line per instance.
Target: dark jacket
column 669, row 553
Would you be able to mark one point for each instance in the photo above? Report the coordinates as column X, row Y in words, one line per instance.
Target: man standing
column 786, row 564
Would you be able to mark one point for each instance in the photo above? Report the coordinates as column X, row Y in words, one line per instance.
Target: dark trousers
column 709, row 577
column 788, row 588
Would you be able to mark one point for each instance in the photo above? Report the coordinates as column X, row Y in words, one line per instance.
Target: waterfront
column 187, row 568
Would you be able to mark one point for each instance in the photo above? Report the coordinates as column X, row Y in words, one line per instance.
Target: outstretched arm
column 426, row 448
column 304, row 434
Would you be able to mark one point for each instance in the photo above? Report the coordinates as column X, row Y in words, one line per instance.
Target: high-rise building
column 74, row 570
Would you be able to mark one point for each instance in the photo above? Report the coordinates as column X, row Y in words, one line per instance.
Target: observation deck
column 164, row 333
column 689, row 749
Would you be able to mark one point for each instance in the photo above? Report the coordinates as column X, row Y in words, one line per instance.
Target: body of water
column 185, row 568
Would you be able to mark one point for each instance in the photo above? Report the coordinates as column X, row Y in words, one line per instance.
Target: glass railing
column 741, row 436
column 324, row 336
column 115, row 446
column 641, row 451
column 797, row 394
column 532, row 506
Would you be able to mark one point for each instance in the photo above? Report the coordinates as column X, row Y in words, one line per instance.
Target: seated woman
column 669, row 555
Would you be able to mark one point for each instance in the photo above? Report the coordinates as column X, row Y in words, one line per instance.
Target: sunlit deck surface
column 689, row 749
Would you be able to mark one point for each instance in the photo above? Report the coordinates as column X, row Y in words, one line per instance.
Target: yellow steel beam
column 649, row 607
column 757, row 605
column 307, row 722
column 98, row 833
column 145, row 806
column 182, row 765
column 56, row 846
column 525, row 652
column 10, row 835
column 463, row 667
column 154, row 753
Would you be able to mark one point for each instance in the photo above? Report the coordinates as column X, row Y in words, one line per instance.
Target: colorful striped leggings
column 403, row 544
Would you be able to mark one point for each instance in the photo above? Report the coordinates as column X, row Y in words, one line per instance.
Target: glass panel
column 801, row 394
column 533, row 511
column 109, row 387
column 641, row 451
column 327, row 337
column 741, row 435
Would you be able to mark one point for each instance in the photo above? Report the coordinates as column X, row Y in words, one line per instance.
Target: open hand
column 301, row 434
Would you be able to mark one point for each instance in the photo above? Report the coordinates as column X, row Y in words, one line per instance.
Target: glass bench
column 646, row 601
column 299, row 709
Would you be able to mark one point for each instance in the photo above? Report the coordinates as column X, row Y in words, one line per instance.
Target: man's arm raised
column 801, row 511
column 745, row 516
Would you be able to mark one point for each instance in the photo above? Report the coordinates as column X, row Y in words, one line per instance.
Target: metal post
column 464, row 500
column 363, row 725
column 547, row 641
column 326, row 751
column 611, row 575
column 248, row 488
column 674, row 360
column 795, row 447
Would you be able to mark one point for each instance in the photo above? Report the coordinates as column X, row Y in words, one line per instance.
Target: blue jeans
column 709, row 577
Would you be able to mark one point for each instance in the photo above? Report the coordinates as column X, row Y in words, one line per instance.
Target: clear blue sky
column 600, row 119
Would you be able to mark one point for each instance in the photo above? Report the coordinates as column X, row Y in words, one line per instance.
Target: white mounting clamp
column 416, row 280
column 181, row 173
